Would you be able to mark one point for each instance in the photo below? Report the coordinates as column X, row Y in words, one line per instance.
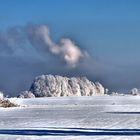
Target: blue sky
column 104, row 27
column 108, row 30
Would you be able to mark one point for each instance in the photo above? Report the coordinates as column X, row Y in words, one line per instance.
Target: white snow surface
column 72, row 118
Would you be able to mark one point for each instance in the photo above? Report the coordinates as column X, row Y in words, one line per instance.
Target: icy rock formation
column 49, row 86
column 26, row 94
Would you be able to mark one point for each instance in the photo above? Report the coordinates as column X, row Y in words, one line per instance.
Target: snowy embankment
column 75, row 118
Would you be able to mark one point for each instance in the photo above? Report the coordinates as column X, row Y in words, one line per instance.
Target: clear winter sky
column 108, row 30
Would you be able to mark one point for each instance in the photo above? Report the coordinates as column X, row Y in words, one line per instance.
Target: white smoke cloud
column 66, row 49
column 23, row 41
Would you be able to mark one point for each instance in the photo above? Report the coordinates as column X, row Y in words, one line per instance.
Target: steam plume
column 66, row 49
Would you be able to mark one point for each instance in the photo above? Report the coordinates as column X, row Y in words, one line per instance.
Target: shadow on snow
column 72, row 132
column 127, row 113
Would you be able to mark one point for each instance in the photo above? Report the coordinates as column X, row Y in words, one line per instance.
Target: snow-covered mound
column 49, row 86
column 26, row 94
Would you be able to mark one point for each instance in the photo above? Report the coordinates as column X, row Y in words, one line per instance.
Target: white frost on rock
column 56, row 86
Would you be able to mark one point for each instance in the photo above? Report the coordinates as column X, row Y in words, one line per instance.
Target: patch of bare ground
column 6, row 103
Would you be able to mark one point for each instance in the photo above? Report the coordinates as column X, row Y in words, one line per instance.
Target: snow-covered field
column 72, row 118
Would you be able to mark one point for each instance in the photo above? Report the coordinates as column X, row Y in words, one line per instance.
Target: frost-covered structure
column 49, row 86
